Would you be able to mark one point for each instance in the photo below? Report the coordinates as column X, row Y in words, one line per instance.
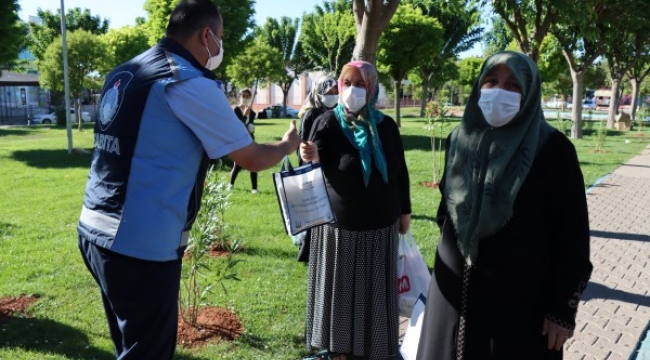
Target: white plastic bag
column 413, row 276
column 298, row 238
column 409, row 347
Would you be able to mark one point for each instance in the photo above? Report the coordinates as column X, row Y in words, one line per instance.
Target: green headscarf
column 361, row 130
column 486, row 166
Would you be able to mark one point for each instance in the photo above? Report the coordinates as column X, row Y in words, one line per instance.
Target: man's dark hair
column 189, row 16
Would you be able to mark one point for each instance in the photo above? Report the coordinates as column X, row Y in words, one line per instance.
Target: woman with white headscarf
column 323, row 96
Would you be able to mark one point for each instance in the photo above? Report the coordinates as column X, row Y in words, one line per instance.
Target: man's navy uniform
column 162, row 116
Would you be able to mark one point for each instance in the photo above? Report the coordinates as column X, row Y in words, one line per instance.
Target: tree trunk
column 425, row 96
column 563, row 102
column 77, row 112
column 398, row 88
column 635, row 98
column 284, row 101
column 254, row 94
column 366, row 45
column 576, row 115
column 370, row 20
column 613, row 103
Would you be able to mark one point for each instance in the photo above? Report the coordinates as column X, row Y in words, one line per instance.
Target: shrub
column 208, row 228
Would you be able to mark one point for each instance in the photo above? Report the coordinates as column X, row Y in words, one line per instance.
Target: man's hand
column 291, row 137
column 257, row 157
column 557, row 335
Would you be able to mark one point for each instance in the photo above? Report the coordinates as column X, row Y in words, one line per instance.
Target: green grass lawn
column 41, row 189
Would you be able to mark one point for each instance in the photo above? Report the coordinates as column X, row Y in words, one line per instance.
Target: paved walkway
column 614, row 316
column 615, row 312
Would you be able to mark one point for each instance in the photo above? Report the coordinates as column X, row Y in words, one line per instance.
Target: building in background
column 271, row 94
column 20, row 96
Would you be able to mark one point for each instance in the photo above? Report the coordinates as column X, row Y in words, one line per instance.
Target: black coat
column 537, row 266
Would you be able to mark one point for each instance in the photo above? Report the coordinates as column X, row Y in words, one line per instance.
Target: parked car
column 589, row 104
column 555, row 104
column 275, row 111
column 586, row 104
column 51, row 117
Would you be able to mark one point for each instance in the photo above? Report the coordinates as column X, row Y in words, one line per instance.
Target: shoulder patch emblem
column 112, row 98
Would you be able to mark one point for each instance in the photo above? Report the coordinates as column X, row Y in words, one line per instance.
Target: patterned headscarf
column 321, row 86
column 361, row 129
column 486, row 166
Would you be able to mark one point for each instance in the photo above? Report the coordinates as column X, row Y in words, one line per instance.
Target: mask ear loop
column 207, row 47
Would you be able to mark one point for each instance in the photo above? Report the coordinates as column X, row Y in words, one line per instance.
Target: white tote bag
column 409, row 347
column 413, row 276
column 302, row 195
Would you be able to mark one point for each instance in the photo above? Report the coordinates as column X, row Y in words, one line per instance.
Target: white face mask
column 499, row 106
column 329, row 101
column 354, row 98
column 246, row 102
column 214, row 61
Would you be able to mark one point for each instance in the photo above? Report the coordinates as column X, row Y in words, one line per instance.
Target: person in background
column 245, row 113
column 323, row 96
column 352, row 299
column 513, row 258
column 162, row 117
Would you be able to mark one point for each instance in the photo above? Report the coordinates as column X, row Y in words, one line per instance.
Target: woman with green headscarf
column 513, row 258
column 352, row 300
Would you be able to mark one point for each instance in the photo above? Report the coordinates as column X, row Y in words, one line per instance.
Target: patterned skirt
column 352, row 303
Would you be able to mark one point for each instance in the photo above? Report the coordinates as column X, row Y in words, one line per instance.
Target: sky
column 124, row 12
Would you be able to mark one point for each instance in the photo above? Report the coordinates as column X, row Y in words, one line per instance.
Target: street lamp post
column 66, row 80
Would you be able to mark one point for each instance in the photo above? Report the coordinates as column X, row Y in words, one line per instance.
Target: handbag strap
column 286, row 165
column 405, row 240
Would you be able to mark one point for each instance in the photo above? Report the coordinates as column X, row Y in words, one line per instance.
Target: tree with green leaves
column 579, row 35
column 619, row 57
column 554, row 70
column 260, row 63
column 498, row 38
column 282, row 35
column 85, row 52
column 238, row 19
column 12, row 33
column 41, row 36
column 121, row 45
column 437, row 74
column 460, row 21
column 409, row 35
column 371, row 18
column 327, row 35
column 620, row 36
column 596, row 76
column 469, row 70
column 530, row 21
column 158, row 12
column 639, row 69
